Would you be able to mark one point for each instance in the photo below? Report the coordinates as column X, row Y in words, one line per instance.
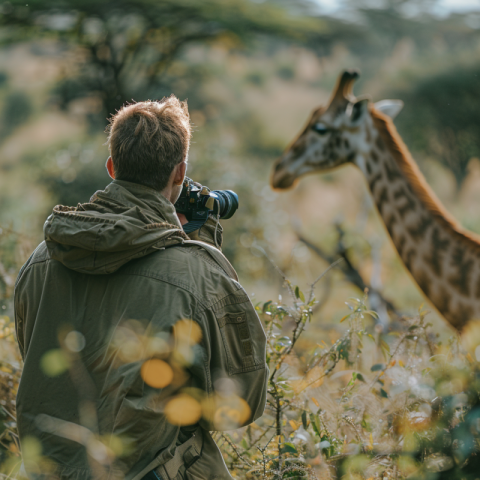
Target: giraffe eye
column 320, row 128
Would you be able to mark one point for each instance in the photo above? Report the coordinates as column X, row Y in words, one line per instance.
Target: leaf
column 284, row 386
column 265, row 306
column 383, row 393
column 288, row 448
column 385, row 346
column 315, row 424
column 354, row 299
column 293, row 424
column 315, row 401
column 297, row 292
column 360, row 377
column 345, row 317
column 377, row 367
column 412, row 327
column 304, row 420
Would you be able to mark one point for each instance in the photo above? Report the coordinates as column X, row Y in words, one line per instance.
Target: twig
column 312, row 287
column 8, row 413
column 239, row 455
column 279, row 271
column 352, row 275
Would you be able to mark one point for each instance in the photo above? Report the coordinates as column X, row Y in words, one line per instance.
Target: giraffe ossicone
column 442, row 257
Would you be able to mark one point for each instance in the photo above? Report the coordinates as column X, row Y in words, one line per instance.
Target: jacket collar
column 137, row 195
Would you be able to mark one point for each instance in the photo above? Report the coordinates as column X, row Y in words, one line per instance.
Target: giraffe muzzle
column 281, row 178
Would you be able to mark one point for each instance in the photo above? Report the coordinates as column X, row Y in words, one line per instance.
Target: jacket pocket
column 241, row 338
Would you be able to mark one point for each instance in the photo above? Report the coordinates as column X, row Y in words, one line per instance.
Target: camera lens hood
column 228, row 203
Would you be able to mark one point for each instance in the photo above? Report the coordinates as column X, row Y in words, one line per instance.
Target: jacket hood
column 123, row 222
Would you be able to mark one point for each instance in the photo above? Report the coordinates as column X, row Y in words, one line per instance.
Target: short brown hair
column 147, row 139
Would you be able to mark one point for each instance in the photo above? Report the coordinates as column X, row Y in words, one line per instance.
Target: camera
column 197, row 202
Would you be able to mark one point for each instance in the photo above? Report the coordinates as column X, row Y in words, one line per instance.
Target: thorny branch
column 235, row 449
column 351, row 273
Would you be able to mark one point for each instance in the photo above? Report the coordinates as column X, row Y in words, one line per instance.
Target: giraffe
column 442, row 257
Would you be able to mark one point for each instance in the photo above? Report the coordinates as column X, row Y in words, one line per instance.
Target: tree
column 123, row 48
column 441, row 118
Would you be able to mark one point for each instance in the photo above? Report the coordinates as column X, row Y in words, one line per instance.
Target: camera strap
column 169, row 463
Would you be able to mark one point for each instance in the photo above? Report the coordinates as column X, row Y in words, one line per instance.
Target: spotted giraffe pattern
column 444, row 262
column 447, row 272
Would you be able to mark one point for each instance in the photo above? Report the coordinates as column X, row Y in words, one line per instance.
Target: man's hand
column 208, row 231
column 182, row 218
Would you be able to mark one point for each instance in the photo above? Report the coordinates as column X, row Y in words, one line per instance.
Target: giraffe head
column 334, row 135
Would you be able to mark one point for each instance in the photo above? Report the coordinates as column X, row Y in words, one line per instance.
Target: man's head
column 149, row 142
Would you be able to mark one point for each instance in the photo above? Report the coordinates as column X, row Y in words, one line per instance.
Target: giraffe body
column 442, row 257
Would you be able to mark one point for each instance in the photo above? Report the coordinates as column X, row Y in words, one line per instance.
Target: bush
column 366, row 405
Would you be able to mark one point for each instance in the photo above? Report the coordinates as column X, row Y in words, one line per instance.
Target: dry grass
column 364, row 405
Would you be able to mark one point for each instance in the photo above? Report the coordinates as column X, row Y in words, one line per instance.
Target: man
column 136, row 340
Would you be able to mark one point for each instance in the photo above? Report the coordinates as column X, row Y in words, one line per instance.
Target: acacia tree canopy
column 124, row 47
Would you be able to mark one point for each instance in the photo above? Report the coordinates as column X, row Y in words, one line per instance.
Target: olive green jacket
column 94, row 304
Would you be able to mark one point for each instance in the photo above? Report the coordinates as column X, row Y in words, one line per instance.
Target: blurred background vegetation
column 252, row 71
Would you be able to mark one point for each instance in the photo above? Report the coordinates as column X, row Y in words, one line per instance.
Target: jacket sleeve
column 18, row 308
column 237, row 365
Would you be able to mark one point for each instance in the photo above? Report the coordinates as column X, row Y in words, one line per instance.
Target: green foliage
column 17, row 108
column 402, row 418
column 360, row 403
column 441, row 120
column 126, row 47
column 334, row 411
column 11, row 244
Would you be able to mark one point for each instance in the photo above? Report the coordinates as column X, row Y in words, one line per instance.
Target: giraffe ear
column 356, row 111
column 390, row 107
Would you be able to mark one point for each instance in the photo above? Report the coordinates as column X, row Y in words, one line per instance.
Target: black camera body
column 197, row 202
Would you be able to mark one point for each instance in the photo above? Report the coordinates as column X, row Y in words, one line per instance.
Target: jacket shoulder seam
column 170, row 280
column 205, row 256
column 28, row 264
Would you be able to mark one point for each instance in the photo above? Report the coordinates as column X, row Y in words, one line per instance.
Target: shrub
column 366, row 405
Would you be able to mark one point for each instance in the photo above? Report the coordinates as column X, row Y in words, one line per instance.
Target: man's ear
column 179, row 173
column 110, row 169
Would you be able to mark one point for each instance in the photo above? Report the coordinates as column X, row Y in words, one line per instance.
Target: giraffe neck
column 443, row 259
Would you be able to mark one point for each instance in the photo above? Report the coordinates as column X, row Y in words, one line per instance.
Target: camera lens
column 228, row 203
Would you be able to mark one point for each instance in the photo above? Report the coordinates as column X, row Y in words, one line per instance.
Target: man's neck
column 167, row 192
